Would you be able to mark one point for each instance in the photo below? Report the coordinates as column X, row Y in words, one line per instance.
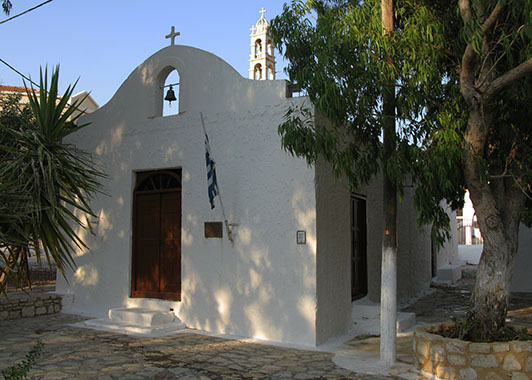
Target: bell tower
column 262, row 58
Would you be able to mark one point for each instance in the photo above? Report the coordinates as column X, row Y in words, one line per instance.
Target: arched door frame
column 156, row 248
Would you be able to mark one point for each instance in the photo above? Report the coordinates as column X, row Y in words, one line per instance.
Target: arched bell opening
column 257, row 72
column 270, row 47
column 270, row 73
column 170, row 94
column 258, row 48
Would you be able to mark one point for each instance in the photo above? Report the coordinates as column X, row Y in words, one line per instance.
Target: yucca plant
column 15, row 210
column 53, row 182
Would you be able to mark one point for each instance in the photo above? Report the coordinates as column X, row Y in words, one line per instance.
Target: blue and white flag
column 211, row 173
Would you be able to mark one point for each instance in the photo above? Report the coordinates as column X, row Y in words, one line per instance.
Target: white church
column 302, row 249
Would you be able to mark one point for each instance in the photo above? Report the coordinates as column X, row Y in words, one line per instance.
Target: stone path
column 447, row 302
column 77, row 353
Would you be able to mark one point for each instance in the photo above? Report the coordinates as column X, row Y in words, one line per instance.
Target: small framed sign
column 213, row 230
column 301, row 237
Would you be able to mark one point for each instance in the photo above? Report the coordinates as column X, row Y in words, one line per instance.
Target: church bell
column 170, row 95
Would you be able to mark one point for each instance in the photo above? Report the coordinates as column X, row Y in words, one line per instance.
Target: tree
column 363, row 75
column 14, row 203
column 461, row 72
column 45, row 183
column 496, row 83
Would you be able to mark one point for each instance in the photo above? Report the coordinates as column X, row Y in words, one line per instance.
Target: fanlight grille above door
column 159, row 181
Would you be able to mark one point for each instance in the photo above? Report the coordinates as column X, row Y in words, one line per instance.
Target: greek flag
column 211, row 173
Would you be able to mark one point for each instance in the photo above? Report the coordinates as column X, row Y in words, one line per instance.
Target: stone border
column 454, row 359
column 29, row 306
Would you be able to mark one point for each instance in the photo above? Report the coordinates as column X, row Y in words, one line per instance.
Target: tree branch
column 508, row 78
column 493, row 17
column 467, row 70
column 465, row 10
column 487, row 40
column 467, row 74
column 514, row 201
column 494, row 65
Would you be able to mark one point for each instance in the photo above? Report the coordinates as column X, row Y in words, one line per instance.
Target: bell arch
column 257, row 72
column 170, row 93
column 169, row 73
column 258, row 47
column 270, row 47
column 270, row 74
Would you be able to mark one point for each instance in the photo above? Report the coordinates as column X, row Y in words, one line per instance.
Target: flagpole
column 229, row 233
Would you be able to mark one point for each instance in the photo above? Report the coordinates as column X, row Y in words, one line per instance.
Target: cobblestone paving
column 444, row 302
column 76, row 353
column 448, row 302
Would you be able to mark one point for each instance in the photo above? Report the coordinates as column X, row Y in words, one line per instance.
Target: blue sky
column 101, row 42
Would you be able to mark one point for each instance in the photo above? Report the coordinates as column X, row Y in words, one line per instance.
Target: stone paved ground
column 77, row 353
column 447, row 302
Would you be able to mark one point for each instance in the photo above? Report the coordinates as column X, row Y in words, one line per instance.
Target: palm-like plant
column 45, row 183
column 6, row 6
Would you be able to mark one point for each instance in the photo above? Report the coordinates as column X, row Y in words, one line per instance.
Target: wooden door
column 359, row 266
column 157, row 236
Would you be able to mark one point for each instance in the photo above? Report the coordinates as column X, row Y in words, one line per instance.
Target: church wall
column 334, row 254
column 448, row 253
column 414, row 251
column 263, row 285
column 522, row 281
column 373, row 193
column 334, row 250
column 414, row 271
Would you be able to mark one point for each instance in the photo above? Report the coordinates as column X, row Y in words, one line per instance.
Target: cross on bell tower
column 262, row 58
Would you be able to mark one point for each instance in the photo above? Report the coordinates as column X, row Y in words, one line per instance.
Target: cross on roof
column 173, row 34
column 262, row 11
column 252, row 29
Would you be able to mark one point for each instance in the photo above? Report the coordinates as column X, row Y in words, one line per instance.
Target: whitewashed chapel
column 304, row 247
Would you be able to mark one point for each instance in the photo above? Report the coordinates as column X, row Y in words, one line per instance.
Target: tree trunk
column 15, row 269
column 497, row 204
column 489, row 301
column 388, row 339
column 493, row 180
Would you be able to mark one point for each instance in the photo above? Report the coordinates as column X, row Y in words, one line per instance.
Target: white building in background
column 304, row 247
column 86, row 104
column 471, row 245
column 468, row 230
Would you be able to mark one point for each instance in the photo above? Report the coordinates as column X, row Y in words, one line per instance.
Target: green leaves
column 6, row 6
column 338, row 55
column 462, row 73
column 49, row 181
column 344, row 62
column 21, row 370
